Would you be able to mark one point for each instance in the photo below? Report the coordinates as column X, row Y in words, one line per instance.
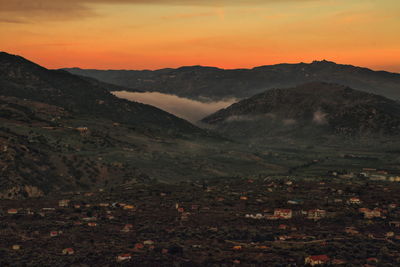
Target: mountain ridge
column 200, row 82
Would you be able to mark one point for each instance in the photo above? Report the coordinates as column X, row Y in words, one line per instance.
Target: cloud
column 54, row 10
column 185, row 108
column 5, row 20
column 29, row 10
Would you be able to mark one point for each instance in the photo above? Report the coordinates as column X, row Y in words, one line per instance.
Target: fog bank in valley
column 185, row 108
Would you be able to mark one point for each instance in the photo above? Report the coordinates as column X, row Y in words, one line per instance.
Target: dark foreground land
column 276, row 221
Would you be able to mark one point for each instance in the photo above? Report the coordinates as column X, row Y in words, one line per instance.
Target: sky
column 154, row 34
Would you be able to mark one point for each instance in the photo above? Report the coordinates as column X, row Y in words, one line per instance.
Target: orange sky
column 152, row 34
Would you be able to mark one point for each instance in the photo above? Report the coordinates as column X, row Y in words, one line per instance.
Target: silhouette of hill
column 24, row 79
column 310, row 111
column 214, row 83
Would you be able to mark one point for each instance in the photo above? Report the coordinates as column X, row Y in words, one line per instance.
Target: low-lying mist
column 184, row 108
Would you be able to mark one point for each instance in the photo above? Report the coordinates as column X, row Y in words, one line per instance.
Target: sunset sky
column 152, row 34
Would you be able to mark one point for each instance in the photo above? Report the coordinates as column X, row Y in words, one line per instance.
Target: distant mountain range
column 309, row 111
column 199, row 82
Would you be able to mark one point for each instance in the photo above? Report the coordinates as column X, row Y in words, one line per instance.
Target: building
column 124, row 257
column 351, row 231
column 148, row 242
column 139, row 246
column 12, row 211
column 68, row 251
column 185, row 216
column 127, row 228
column 82, row 130
column 283, row 213
column 377, row 177
column 255, row 216
column 294, row 202
column 317, row 260
column 63, row 203
column 394, row 224
column 181, row 210
column 394, row 179
column 272, row 217
column 354, row 200
column 282, row 227
column 316, row 214
column 55, row 233
column 129, row 207
column 339, row 262
column 369, row 214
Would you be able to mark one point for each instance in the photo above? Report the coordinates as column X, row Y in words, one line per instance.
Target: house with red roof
column 12, row 211
column 283, row 213
column 68, row 251
column 55, row 233
column 317, row 260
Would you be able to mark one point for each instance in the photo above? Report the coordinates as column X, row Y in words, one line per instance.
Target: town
column 269, row 221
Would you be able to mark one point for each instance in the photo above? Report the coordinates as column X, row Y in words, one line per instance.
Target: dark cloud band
column 25, row 10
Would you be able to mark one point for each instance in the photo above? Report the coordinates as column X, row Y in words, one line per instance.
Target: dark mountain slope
column 24, row 79
column 41, row 151
column 44, row 149
column 60, row 132
column 214, row 83
column 309, row 111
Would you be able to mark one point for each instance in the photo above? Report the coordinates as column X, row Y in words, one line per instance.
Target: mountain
column 60, row 132
column 198, row 82
column 309, row 111
column 46, row 149
column 24, row 79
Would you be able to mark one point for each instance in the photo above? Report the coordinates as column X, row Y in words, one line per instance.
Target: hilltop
column 310, row 111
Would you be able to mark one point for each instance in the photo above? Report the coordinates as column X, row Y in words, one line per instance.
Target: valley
column 292, row 176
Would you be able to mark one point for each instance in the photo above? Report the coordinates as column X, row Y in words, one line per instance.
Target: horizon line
column 244, row 68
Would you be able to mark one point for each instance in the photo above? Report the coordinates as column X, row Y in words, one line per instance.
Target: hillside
column 46, row 149
column 24, row 79
column 60, row 132
column 198, row 82
column 310, row 111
